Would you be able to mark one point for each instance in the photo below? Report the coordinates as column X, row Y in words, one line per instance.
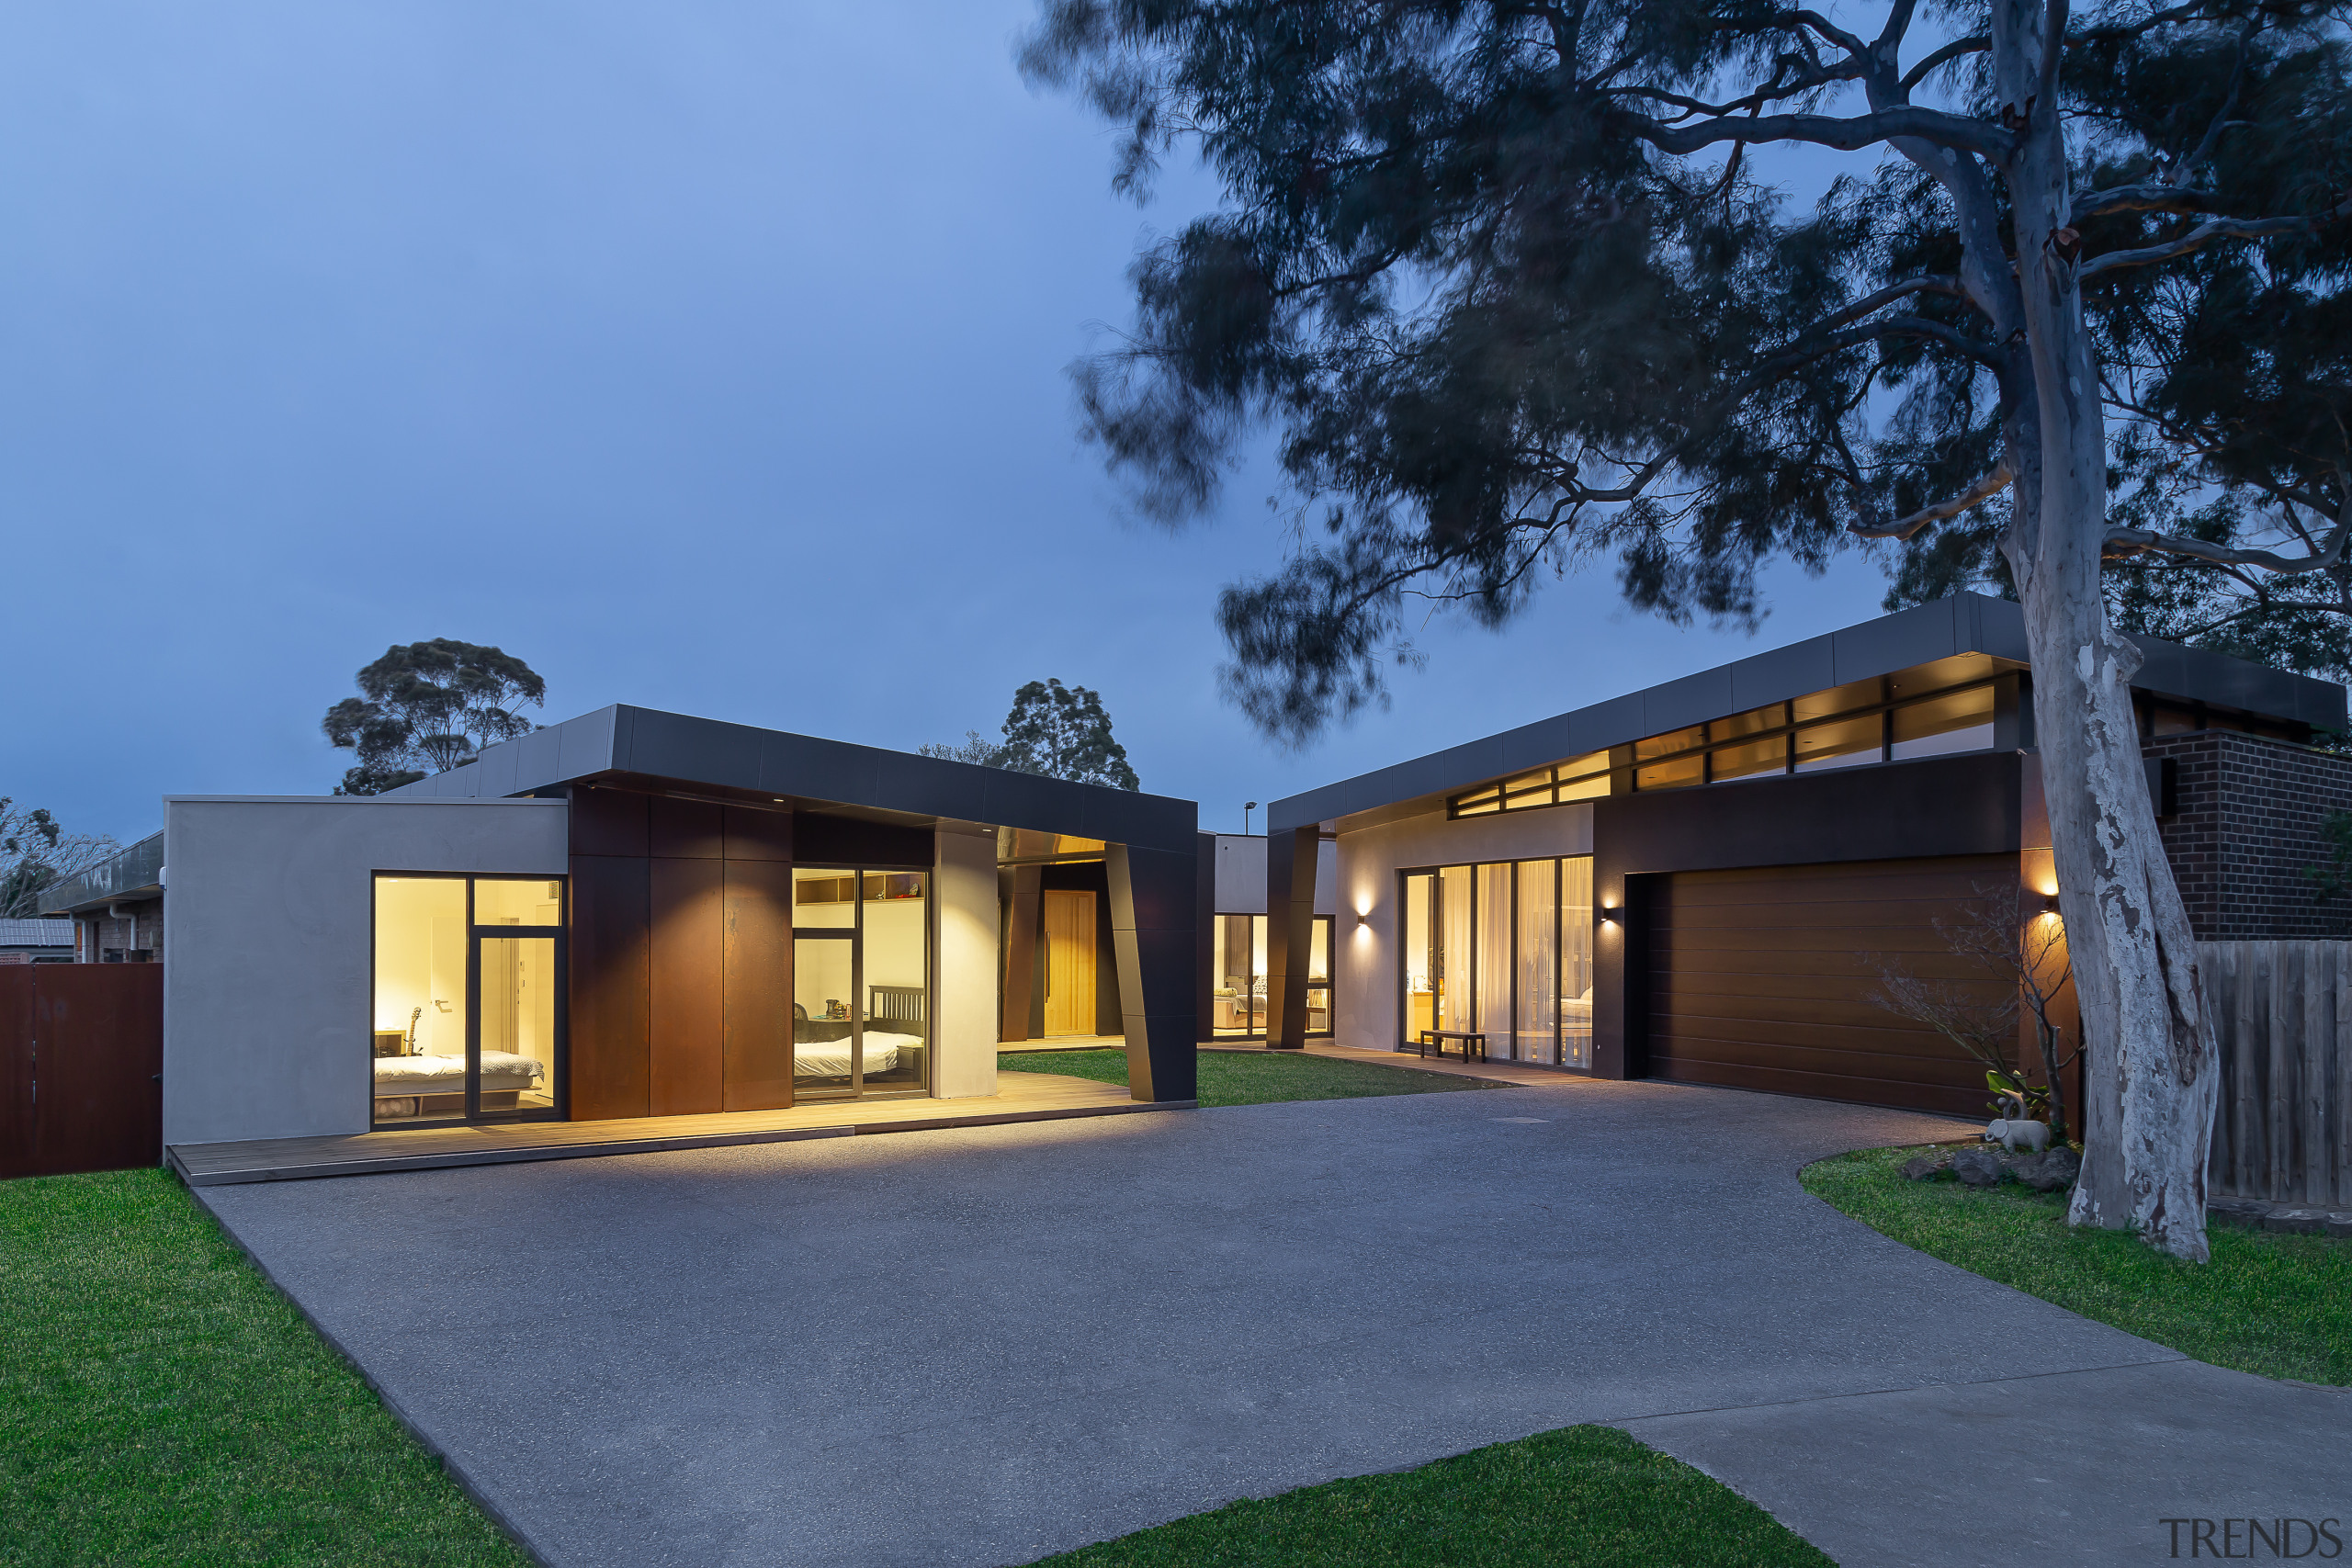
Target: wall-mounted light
column 1608, row 914
column 1363, row 918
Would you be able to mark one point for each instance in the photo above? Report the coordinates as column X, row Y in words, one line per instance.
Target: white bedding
column 830, row 1058
column 446, row 1075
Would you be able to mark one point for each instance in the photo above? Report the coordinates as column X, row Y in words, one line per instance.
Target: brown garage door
column 1762, row 979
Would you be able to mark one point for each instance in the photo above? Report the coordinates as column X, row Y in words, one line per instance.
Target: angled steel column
column 1290, row 932
column 1156, row 932
column 1022, row 899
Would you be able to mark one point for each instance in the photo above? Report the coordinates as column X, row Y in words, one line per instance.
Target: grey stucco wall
column 1364, row 956
column 269, row 941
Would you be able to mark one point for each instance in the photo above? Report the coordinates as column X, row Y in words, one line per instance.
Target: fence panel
column 99, row 1072
column 16, row 1069
column 2282, row 1014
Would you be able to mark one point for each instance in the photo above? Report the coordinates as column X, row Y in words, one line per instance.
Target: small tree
column 428, row 708
column 1060, row 731
column 977, row 749
column 1065, row 733
column 2026, row 954
column 36, row 852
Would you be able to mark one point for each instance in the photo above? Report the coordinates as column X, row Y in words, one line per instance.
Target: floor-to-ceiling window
column 468, row 998
column 861, row 982
column 1237, row 978
column 1503, row 948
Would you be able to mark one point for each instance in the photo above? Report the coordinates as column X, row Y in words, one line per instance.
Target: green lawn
column 1584, row 1495
column 1252, row 1078
column 2280, row 1305
column 160, row 1403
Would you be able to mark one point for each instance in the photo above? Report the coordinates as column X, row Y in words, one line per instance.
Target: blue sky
column 709, row 355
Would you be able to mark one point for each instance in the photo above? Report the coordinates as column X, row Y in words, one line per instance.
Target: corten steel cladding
column 81, row 1065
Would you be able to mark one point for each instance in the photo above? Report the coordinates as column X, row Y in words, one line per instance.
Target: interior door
column 1070, row 961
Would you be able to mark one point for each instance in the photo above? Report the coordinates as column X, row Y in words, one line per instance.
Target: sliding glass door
column 468, row 999
column 1502, row 948
column 861, row 983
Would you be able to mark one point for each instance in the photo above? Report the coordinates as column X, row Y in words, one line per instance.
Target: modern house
column 1705, row 881
column 116, row 907
column 636, row 914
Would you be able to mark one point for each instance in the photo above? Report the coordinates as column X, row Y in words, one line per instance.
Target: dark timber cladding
column 681, row 956
column 1762, row 978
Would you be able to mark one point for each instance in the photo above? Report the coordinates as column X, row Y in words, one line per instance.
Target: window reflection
column 1957, row 721
column 1848, row 743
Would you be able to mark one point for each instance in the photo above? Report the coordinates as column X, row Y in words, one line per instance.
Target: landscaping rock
column 2339, row 1224
column 2237, row 1211
column 1978, row 1168
column 2052, row 1172
column 1926, row 1168
column 2296, row 1222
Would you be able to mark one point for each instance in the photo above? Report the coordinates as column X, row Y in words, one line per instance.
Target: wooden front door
column 1070, row 961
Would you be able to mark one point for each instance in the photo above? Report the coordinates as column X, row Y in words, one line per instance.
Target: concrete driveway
column 983, row 1344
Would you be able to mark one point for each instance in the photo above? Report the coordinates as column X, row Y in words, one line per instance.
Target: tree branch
column 1983, row 489
column 1944, row 56
column 1932, row 126
column 2125, row 542
column 2148, row 195
column 2205, row 234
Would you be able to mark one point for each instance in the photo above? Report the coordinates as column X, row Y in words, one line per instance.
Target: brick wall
column 2246, row 826
column 138, row 928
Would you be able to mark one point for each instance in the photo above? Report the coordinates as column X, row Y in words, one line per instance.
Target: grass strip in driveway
column 2280, row 1305
column 160, row 1403
column 1586, row 1495
column 1250, row 1077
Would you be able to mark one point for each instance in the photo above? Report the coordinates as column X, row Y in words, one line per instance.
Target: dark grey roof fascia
column 136, row 873
column 1965, row 623
column 648, row 742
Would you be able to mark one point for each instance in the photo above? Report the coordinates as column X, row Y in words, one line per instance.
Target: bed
column 429, row 1086
column 897, row 1027
column 830, row 1058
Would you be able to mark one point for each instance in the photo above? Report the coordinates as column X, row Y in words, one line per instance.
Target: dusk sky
column 709, row 355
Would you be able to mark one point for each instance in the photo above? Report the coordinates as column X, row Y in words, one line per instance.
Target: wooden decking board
column 1050, row 1097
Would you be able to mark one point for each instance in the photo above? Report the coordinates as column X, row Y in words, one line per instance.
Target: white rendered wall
column 1368, row 865
column 964, row 1008
column 269, row 941
column 1241, row 876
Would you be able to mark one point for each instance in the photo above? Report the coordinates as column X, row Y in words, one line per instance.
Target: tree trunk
column 2149, row 1066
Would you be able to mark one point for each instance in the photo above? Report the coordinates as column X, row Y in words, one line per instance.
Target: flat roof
column 1965, row 623
column 133, row 874
column 648, row 748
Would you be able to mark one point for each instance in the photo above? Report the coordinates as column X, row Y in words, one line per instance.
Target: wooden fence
column 81, row 1052
column 2283, row 1011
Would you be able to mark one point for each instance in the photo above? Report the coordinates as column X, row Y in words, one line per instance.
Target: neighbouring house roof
column 1965, row 623
column 622, row 745
column 136, row 873
column 36, row 933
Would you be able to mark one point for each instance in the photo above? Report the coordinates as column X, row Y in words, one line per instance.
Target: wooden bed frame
column 905, row 1008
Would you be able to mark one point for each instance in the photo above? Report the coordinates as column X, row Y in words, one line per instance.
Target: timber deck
column 1021, row 1096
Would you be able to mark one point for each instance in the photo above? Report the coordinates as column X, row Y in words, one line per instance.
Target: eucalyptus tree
column 426, row 707
column 1502, row 277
